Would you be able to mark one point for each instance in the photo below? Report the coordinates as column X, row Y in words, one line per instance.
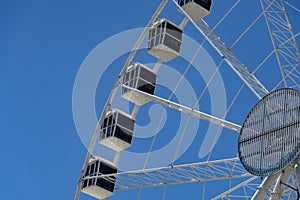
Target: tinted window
column 123, row 135
column 174, row 31
column 106, row 184
column 125, row 122
column 108, row 131
column 204, row 3
column 106, row 169
column 104, row 124
column 172, row 43
column 92, row 168
column 109, row 120
column 151, row 44
column 96, row 167
column 148, row 88
column 147, row 75
column 126, row 77
column 87, row 172
column 85, row 183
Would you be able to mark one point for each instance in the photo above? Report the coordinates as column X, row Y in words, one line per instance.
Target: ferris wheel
column 259, row 156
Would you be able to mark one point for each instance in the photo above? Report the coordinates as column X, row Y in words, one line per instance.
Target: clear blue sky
column 42, row 46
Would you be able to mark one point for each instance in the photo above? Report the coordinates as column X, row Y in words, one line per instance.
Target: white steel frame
column 180, row 174
column 283, row 40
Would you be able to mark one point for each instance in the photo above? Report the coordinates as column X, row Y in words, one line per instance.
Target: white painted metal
column 243, row 184
column 97, row 192
column 184, row 22
column 196, row 11
column 298, row 171
column 190, row 111
column 135, row 75
column 238, row 67
column 157, row 66
column 180, row 174
column 284, row 41
column 117, row 157
column 160, row 41
column 109, row 139
column 264, row 188
column 288, row 57
column 135, row 111
column 91, row 188
column 284, row 177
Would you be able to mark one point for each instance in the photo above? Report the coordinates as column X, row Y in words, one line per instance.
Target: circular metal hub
column 270, row 136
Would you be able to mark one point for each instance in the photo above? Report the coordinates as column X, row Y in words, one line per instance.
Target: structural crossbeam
column 284, row 41
column 180, row 174
column 187, row 110
column 226, row 53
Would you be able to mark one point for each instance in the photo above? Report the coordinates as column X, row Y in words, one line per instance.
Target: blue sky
column 43, row 44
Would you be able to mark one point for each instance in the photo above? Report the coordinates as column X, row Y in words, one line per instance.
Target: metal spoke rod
column 189, row 111
column 179, row 174
column 232, row 60
column 223, row 195
column 264, row 188
column 279, row 187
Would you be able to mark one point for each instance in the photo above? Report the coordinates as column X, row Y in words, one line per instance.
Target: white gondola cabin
column 117, row 130
column 139, row 77
column 164, row 40
column 96, row 186
column 196, row 9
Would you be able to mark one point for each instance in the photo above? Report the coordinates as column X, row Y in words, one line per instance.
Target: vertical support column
column 135, row 111
column 117, row 157
column 264, row 188
column 297, row 161
column 157, row 66
column 184, row 22
column 283, row 39
column 283, row 178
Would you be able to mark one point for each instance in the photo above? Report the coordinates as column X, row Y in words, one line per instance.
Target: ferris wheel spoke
column 264, row 188
column 242, row 185
column 247, row 76
column 287, row 3
column 187, row 110
column 279, row 187
column 180, row 174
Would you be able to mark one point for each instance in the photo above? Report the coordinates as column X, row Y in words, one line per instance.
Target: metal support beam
column 264, row 188
column 189, row 111
column 135, row 111
column 157, row 66
column 117, row 157
column 297, row 162
column 223, row 195
column 279, row 187
column 225, row 52
column 280, row 29
column 179, row 174
column 184, row 23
